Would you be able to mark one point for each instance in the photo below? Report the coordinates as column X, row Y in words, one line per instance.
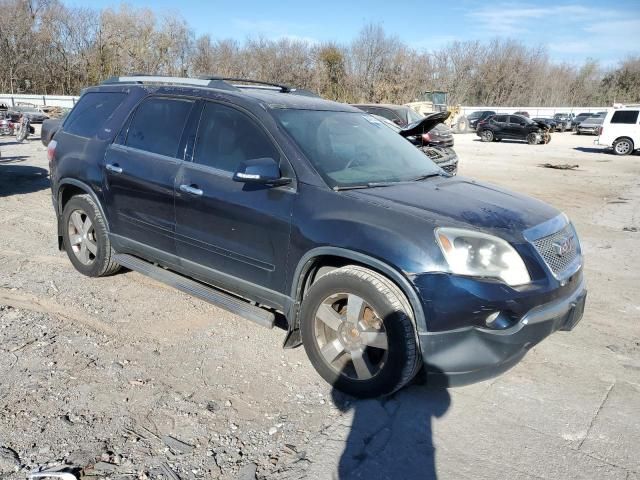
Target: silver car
column 590, row 125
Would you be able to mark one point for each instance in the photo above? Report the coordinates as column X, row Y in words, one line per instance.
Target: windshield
column 354, row 149
column 413, row 116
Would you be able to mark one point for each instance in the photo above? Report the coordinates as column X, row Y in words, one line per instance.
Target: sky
column 572, row 31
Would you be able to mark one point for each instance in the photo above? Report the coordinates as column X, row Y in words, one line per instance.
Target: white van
column 621, row 130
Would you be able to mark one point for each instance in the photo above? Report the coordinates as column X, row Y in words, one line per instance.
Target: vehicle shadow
column 18, row 179
column 392, row 437
column 590, row 149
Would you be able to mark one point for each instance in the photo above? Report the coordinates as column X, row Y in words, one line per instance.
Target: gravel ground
column 123, row 377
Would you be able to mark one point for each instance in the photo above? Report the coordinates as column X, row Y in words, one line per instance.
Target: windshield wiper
column 366, row 185
column 424, row 177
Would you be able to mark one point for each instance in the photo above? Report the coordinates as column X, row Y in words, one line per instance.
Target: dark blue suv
column 308, row 214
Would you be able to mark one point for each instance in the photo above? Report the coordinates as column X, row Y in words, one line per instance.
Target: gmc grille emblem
column 564, row 246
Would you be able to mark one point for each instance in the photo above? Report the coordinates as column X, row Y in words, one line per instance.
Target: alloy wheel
column 82, row 237
column 351, row 336
column 623, row 147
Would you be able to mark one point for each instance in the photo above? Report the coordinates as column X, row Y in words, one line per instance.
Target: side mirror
column 263, row 171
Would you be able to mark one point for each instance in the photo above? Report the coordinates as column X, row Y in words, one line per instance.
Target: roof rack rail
column 144, row 78
column 251, row 83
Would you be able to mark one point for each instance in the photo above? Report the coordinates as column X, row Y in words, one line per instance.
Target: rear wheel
column 623, row 146
column 85, row 238
column 358, row 333
column 486, row 136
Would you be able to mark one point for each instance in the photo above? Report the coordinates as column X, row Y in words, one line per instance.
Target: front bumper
column 471, row 354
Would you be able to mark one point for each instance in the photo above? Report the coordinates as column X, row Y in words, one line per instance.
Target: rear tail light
column 51, row 151
column 600, row 130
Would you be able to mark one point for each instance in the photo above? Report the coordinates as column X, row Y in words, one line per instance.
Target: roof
column 271, row 95
column 275, row 100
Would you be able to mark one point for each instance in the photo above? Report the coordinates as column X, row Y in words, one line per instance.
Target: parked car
column 549, row 122
column 51, row 126
column 270, row 203
column 620, row 130
column 478, row 116
column 34, row 114
column 564, row 121
column 590, row 125
column 401, row 115
column 442, row 155
column 579, row 118
column 514, row 127
column 522, row 113
column 440, row 135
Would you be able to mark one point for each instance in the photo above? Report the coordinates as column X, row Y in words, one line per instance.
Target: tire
column 383, row 315
column 623, row 146
column 463, row 125
column 532, row 139
column 486, row 136
column 87, row 244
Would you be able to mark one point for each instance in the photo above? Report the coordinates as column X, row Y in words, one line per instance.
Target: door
column 516, row 127
column 500, row 126
column 140, row 173
column 235, row 235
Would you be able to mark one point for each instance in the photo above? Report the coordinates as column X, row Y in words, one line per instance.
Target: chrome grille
column 559, row 250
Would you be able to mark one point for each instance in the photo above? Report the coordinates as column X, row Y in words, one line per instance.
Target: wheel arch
column 335, row 257
column 68, row 188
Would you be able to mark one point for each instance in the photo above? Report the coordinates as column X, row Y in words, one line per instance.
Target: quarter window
column 157, row 125
column 91, row 112
column 227, row 137
column 625, row 116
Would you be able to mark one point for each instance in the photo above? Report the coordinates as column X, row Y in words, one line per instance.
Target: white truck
column 621, row 130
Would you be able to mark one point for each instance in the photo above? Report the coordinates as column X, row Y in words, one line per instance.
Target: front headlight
column 480, row 255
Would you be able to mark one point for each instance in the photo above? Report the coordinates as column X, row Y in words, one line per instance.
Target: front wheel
column 532, row 139
column 358, row 334
column 623, row 146
column 486, row 136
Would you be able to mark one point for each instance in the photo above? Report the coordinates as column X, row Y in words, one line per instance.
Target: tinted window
column 500, row 118
column 227, row 137
column 157, row 125
column 625, row 116
column 388, row 114
column 91, row 112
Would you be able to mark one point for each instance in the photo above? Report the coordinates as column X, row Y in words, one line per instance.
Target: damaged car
column 311, row 216
column 513, row 127
column 421, row 134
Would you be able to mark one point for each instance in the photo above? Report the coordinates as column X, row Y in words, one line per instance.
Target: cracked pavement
column 124, row 377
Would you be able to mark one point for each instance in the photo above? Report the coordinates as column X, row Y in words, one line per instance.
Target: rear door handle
column 115, row 168
column 191, row 189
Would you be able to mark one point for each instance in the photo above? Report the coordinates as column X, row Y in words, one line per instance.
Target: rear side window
column 91, row 112
column 157, row 125
column 500, row 118
column 625, row 116
column 227, row 137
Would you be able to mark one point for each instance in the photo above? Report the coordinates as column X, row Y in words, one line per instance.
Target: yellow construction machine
column 437, row 101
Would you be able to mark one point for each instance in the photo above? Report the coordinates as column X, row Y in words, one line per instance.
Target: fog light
column 496, row 321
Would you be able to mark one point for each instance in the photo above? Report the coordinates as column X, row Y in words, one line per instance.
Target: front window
column 354, row 149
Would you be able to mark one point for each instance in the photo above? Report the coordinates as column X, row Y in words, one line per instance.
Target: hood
column 464, row 202
column 424, row 125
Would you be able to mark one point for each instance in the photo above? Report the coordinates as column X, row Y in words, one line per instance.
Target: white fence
column 69, row 101
column 11, row 100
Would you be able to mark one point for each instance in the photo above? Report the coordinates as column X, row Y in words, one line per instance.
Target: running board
column 208, row 294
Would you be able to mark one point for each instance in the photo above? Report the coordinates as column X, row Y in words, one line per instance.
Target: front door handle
column 115, row 168
column 191, row 189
